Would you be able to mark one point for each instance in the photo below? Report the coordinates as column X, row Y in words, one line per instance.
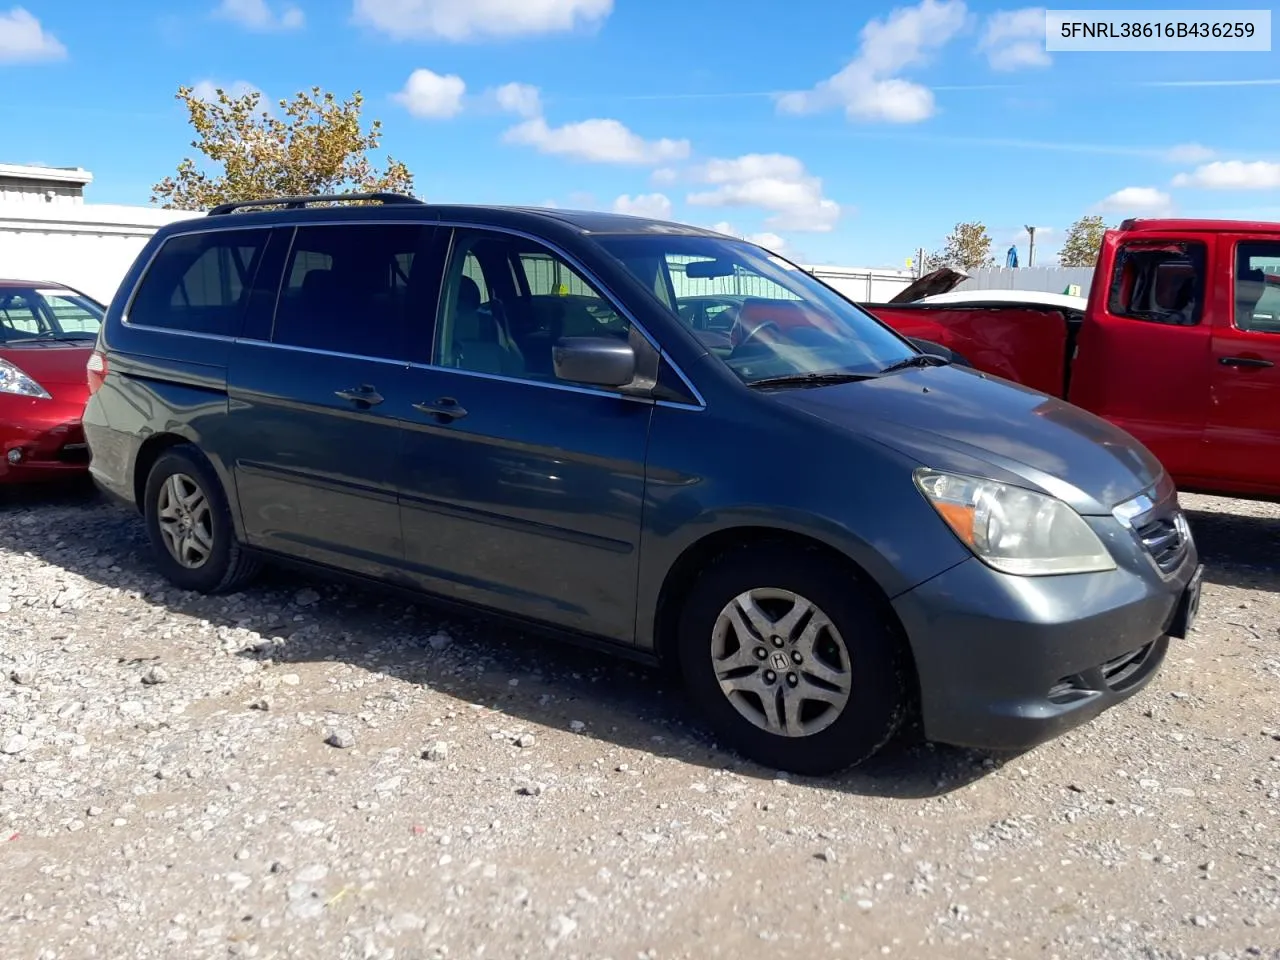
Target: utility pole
column 1031, row 248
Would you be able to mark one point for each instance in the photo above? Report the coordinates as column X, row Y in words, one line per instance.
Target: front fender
column 853, row 495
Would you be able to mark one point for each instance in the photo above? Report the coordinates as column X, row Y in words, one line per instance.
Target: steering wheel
column 753, row 331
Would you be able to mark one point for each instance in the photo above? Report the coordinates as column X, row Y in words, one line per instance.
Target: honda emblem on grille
column 779, row 661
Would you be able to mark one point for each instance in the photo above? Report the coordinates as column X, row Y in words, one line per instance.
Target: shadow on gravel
column 1238, row 549
column 530, row 679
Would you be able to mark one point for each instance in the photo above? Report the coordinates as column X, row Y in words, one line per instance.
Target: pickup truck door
column 1142, row 357
column 1243, row 430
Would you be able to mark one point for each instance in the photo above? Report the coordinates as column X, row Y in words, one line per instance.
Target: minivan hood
column 956, row 419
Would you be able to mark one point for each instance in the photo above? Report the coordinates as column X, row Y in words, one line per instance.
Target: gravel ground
column 311, row 770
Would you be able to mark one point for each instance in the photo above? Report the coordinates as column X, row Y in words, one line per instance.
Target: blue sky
column 847, row 133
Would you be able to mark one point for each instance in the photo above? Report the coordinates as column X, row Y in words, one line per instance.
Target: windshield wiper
column 917, row 360
column 810, row 379
column 48, row 336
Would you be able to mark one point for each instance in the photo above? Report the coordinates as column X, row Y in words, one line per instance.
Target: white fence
column 864, row 284
column 86, row 246
column 1046, row 279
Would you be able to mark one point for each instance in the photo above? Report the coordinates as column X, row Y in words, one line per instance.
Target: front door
column 520, row 492
column 1142, row 359
column 1243, row 433
column 314, row 399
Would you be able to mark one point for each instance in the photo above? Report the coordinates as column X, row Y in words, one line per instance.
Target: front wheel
column 189, row 525
column 794, row 662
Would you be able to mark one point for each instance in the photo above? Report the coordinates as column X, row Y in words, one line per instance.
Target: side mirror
column 594, row 361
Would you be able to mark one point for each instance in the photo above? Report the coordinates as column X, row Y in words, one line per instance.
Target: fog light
column 14, row 455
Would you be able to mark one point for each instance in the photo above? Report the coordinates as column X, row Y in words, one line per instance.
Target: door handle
column 1245, row 362
column 363, row 395
column 446, row 408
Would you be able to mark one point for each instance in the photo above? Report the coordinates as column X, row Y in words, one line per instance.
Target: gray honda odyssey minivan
column 645, row 436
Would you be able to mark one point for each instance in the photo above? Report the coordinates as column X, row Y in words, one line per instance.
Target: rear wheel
column 189, row 525
column 794, row 661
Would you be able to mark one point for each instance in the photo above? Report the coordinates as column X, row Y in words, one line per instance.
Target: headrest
column 1250, row 284
column 317, row 283
column 468, row 294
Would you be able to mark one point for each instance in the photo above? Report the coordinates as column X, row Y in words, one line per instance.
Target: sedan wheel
column 781, row 662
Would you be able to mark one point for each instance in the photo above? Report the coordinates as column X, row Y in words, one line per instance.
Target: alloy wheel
column 186, row 521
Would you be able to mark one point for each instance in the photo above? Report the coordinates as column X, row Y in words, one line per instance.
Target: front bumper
column 41, row 439
column 1006, row 662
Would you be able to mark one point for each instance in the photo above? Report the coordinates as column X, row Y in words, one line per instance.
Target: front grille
column 1163, row 538
column 1117, row 675
column 1119, row 671
column 73, row 453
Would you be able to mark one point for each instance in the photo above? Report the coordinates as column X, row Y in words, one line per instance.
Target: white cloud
column 1189, row 153
column 867, row 87
column 257, row 15
column 770, row 241
column 656, row 206
column 478, row 19
column 765, row 238
column 1232, row 175
column 774, row 182
column 430, row 96
column 519, row 98
column 1138, row 201
column 207, row 90
column 1014, row 39
column 24, row 40
column 598, row 141
column 664, row 176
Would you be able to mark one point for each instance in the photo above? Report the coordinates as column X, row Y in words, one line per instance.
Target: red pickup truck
column 1179, row 344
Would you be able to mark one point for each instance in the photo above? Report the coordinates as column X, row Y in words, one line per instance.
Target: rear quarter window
column 1159, row 281
column 199, row 282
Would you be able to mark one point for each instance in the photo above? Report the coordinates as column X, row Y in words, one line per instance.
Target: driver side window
column 507, row 300
column 1257, row 287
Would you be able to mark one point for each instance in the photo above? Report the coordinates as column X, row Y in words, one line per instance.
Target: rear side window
column 199, row 282
column 1159, row 281
column 354, row 288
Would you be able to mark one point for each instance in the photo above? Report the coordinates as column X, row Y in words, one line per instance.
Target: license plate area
column 1184, row 617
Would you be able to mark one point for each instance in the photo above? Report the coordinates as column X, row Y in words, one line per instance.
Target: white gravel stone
column 203, row 816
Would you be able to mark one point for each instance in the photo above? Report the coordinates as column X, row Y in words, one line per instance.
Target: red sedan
column 47, row 332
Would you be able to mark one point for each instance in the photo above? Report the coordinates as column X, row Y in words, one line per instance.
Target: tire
column 215, row 562
column 828, row 737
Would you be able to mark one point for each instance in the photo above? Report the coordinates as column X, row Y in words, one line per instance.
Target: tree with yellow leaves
column 317, row 147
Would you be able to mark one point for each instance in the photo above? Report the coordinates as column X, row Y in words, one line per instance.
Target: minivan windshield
column 764, row 317
column 47, row 313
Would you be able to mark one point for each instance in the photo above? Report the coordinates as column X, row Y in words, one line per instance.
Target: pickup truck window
column 1257, row 287
column 1160, row 282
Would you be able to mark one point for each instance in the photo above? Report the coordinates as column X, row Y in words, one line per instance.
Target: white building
column 48, row 232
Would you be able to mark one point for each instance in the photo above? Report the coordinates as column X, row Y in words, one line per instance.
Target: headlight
column 14, row 381
column 1012, row 529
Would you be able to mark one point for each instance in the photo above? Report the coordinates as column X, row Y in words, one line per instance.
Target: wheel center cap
column 779, row 661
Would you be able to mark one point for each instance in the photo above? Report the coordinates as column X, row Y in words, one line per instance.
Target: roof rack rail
column 297, row 203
